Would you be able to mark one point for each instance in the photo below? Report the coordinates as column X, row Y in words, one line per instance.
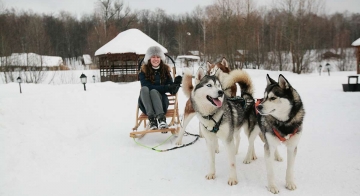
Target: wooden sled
column 172, row 114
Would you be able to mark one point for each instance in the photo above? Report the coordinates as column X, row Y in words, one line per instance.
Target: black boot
column 153, row 122
column 162, row 121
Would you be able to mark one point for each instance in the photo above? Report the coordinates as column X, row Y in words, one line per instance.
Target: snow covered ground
column 57, row 139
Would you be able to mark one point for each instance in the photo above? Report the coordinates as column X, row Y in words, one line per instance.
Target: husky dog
column 220, row 116
column 211, row 69
column 229, row 80
column 281, row 118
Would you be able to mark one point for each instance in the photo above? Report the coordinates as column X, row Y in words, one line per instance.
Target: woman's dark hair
column 164, row 72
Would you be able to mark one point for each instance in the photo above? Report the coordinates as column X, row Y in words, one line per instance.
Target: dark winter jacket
column 162, row 88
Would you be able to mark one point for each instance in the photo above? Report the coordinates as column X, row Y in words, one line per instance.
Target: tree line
column 262, row 34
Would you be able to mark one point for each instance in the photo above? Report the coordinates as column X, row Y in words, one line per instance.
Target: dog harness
column 281, row 138
column 244, row 103
column 215, row 129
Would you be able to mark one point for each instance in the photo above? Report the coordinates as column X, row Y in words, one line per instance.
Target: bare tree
column 297, row 33
column 112, row 12
column 268, row 37
column 202, row 19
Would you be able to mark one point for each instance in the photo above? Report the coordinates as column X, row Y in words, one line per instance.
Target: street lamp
column 83, row 80
column 93, row 78
column 19, row 81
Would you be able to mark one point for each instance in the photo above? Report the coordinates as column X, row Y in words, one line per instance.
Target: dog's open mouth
column 215, row 101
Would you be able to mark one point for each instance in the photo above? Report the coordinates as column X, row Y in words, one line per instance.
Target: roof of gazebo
column 129, row 41
column 356, row 42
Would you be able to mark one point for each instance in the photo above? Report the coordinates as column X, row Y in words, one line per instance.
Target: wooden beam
column 135, row 133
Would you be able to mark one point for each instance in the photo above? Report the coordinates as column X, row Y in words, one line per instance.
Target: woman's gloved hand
column 173, row 88
column 178, row 80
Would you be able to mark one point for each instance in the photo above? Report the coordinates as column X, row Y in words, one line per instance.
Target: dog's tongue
column 217, row 102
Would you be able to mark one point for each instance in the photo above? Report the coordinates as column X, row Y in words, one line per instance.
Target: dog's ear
column 208, row 65
column 283, row 83
column 224, row 62
column 200, row 73
column 269, row 80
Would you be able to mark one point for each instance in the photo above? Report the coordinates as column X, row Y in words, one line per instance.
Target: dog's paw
column 210, row 176
column 254, row 157
column 178, row 143
column 291, row 186
column 278, row 158
column 247, row 161
column 217, row 151
column 232, row 181
column 273, row 189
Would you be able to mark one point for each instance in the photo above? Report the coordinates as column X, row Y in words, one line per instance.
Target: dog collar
column 215, row 129
column 281, row 138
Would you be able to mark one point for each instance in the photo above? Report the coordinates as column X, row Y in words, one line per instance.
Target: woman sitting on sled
column 155, row 81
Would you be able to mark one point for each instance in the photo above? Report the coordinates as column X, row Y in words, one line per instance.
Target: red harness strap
column 282, row 138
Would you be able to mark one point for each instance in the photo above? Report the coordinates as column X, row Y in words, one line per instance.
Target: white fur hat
column 154, row 50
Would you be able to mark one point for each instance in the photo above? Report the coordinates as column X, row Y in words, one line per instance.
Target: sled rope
column 176, row 147
column 153, row 148
column 165, row 150
column 185, row 134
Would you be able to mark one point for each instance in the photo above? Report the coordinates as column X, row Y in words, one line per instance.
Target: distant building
column 86, row 61
column 356, row 44
column 30, row 62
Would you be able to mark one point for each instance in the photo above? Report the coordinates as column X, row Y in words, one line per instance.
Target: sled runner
column 172, row 114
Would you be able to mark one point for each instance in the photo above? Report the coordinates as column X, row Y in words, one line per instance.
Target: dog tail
column 187, row 85
column 242, row 78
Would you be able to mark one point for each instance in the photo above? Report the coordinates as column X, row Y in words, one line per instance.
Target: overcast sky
column 80, row 7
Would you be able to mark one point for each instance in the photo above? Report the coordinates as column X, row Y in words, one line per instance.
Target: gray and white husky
column 281, row 121
column 221, row 117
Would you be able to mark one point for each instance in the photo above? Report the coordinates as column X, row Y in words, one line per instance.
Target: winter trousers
column 152, row 101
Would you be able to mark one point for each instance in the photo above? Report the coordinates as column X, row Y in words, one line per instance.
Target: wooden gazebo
column 118, row 59
column 357, row 45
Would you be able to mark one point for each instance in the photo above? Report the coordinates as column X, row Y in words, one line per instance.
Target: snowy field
column 57, row 139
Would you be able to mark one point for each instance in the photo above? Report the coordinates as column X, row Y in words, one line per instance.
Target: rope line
column 165, row 150
column 173, row 148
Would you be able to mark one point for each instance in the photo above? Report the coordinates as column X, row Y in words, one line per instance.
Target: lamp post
column 187, row 42
column 19, row 81
column 93, row 78
column 83, row 80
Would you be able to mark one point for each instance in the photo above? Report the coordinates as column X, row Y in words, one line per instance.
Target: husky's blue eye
column 209, row 85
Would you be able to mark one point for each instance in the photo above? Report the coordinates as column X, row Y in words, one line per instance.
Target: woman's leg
column 147, row 102
column 156, row 102
column 156, row 99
